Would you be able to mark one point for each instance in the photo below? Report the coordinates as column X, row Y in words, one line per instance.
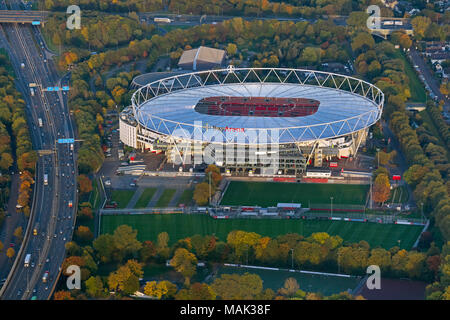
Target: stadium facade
column 259, row 120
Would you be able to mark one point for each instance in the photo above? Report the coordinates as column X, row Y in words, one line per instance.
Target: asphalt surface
column 429, row 78
column 51, row 214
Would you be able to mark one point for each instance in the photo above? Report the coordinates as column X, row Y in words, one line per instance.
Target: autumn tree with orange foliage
column 84, row 183
column 381, row 188
column 62, row 295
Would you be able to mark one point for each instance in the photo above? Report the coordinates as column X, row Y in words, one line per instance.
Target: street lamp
column 423, row 217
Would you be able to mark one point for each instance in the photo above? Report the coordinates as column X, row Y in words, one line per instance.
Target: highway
column 15, row 16
column 51, row 213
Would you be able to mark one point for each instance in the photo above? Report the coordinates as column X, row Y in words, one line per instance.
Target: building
column 253, row 121
column 202, row 58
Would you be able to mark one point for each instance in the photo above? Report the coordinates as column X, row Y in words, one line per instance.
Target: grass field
column 122, row 197
column 145, row 198
column 165, row 198
column 274, row 279
column 268, row 194
column 417, row 90
column 180, row 226
column 186, row 197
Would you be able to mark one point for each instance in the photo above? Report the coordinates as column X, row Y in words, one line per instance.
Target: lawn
column 94, row 197
column 180, row 226
column 145, row 198
column 186, row 197
column 165, row 198
column 274, row 279
column 417, row 90
column 268, row 194
column 122, row 197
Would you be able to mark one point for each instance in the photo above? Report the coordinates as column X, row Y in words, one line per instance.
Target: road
column 22, row 16
column 429, row 78
column 51, row 213
column 192, row 20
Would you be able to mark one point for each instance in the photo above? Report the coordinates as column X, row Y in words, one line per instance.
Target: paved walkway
column 135, row 197
column 176, row 196
column 155, row 198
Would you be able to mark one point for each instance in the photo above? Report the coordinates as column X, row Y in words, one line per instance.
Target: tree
column 6, row 161
column 62, row 295
column 147, row 251
column 160, row 290
column 94, row 287
column 381, row 188
column 290, row 287
column 214, row 171
column 84, row 233
column 362, row 42
column 242, row 241
column 10, row 253
column 163, row 240
column 185, row 263
column 18, row 233
column 125, row 242
column 238, row 287
column 123, row 280
column 104, row 245
column 73, row 260
column 201, row 193
column 231, row 49
column 197, row 291
column 135, row 268
column 85, row 212
column 84, row 183
column 357, row 20
column 420, row 25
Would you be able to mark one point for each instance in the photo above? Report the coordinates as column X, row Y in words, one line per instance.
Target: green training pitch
column 180, row 226
column 122, row 197
column 268, row 194
column 274, row 279
column 165, row 198
column 145, row 198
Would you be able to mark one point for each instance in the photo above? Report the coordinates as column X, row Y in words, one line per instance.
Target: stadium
column 252, row 120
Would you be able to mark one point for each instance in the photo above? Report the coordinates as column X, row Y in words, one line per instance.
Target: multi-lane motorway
column 51, row 213
column 22, row 16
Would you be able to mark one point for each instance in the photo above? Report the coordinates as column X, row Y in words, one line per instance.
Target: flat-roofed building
column 202, row 58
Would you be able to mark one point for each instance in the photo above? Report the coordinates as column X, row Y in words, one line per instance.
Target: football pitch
column 180, row 226
column 267, row 194
column 274, row 279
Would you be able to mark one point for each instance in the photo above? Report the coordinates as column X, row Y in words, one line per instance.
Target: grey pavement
column 156, row 196
column 176, row 196
column 135, row 197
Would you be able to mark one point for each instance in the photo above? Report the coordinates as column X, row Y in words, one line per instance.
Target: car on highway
column 45, row 277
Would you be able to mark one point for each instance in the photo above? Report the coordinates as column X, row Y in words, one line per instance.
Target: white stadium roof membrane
column 347, row 104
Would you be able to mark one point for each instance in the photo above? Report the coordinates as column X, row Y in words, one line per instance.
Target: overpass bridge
column 22, row 16
column 389, row 25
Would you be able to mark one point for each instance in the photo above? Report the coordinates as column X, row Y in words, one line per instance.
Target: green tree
column 125, row 242
column 94, row 287
column 238, row 287
column 185, row 263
